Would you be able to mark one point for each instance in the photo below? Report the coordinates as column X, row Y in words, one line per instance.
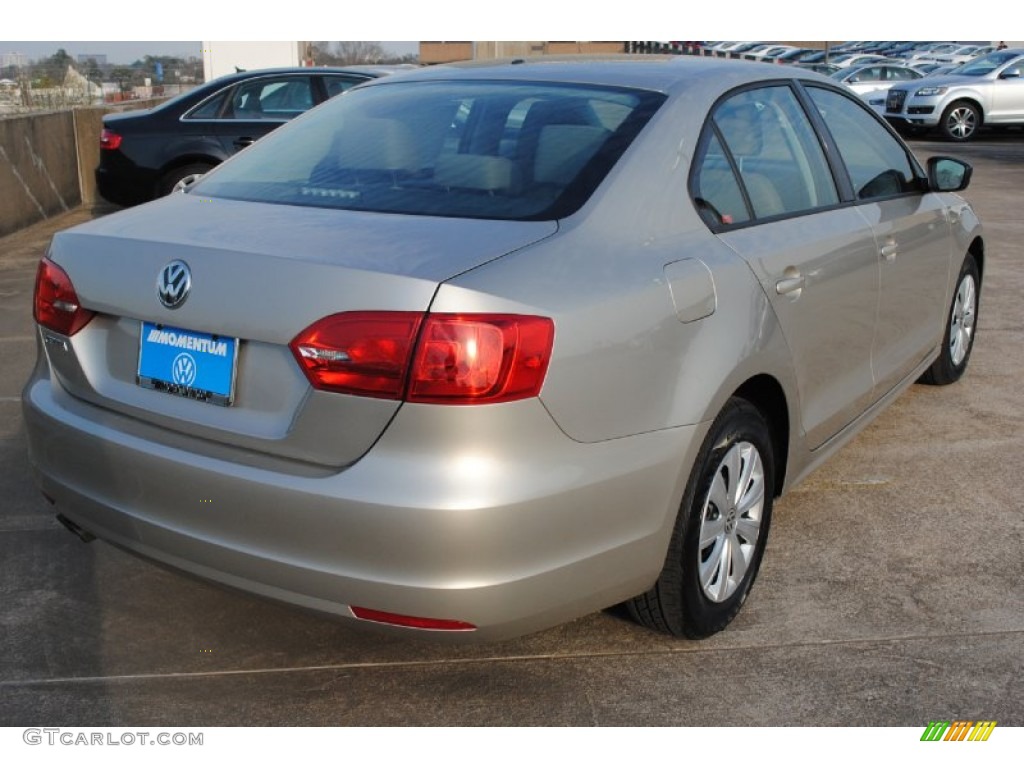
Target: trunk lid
column 260, row 273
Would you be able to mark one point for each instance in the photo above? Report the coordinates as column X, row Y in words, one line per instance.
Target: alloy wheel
column 961, row 122
column 187, row 181
column 961, row 326
column 730, row 522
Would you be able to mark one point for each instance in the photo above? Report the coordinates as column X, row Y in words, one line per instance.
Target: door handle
column 889, row 250
column 243, row 142
column 790, row 286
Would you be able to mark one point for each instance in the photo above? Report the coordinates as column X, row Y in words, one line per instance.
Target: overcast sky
column 125, row 52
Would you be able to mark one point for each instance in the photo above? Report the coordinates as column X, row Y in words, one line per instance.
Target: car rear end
column 263, row 393
column 129, row 167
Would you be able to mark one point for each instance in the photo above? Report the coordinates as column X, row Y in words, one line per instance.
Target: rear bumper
column 125, row 186
column 488, row 515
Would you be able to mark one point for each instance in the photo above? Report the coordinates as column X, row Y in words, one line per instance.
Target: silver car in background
column 474, row 351
column 872, row 81
column 985, row 91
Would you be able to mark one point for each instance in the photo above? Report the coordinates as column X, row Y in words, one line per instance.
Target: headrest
column 485, row 172
column 376, row 144
column 563, row 150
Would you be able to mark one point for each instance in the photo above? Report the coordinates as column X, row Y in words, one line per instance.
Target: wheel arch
column 188, row 159
column 180, row 162
column 971, row 99
column 977, row 250
column 765, row 393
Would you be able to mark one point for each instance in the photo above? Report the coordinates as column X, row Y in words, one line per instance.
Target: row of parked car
column 917, row 86
column 849, row 53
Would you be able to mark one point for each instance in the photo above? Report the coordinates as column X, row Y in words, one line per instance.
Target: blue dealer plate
column 191, row 364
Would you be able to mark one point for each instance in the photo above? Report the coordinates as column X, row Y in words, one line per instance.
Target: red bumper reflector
column 416, row 622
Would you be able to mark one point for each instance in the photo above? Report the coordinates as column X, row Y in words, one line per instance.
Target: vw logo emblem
column 173, row 284
column 183, row 370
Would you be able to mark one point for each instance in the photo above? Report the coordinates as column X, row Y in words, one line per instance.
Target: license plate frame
column 192, row 364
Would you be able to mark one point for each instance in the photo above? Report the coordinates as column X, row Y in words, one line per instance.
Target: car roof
column 667, row 74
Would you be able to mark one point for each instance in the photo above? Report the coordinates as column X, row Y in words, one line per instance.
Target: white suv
column 988, row 90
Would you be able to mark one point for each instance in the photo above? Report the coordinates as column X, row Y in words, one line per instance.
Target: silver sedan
column 474, row 351
column 872, row 81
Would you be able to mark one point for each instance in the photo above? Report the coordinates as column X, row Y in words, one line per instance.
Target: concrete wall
column 88, row 126
column 38, row 169
column 48, row 162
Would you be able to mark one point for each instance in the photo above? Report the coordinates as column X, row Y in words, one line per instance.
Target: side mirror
column 1010, row 74
column 946, row 174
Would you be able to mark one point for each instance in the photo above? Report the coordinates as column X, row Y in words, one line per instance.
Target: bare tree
column 325, row 53
column 359, row 52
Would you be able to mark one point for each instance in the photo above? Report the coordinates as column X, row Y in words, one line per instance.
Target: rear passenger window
column 772, row 145
column 877, row 163
column 718, row 194
column 209, row 109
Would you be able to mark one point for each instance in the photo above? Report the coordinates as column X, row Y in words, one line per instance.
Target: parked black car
column 144, row 154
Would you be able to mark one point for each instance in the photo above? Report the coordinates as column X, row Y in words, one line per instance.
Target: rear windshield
column 494, row 150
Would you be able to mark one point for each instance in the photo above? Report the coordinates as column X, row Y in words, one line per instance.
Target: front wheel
column 720, row 532
column 958, row 339
column 960, row 121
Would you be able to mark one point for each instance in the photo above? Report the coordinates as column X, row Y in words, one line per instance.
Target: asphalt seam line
column 486, row 660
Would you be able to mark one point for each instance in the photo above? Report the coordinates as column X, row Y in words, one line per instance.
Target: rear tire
column 720, row 532
column 179, row 178
column 961, row 324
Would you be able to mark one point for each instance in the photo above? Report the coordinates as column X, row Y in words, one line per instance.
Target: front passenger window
column 877, row 163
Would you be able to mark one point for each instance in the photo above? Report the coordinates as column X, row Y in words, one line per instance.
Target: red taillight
column 109, row 139
column 463, row 359
column 358, row 353
column 416, row 622
column 458, row 359
column 56, row 305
